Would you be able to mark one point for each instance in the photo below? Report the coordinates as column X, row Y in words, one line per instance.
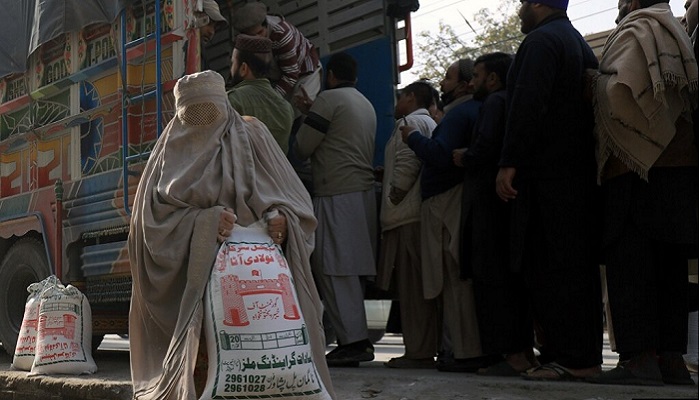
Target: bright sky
column 588, row 16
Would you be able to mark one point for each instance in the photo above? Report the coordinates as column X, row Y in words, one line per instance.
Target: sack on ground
column 64, row 334
column 26, row 341
column 257, row 341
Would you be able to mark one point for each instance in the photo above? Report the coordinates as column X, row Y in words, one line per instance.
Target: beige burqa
column 207, row 158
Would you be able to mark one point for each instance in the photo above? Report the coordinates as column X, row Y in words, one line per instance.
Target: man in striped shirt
column 297, row 62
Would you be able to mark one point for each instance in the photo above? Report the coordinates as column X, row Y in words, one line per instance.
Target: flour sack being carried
column 257, row 341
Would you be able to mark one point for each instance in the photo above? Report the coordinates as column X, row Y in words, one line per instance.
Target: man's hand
column 303, row 102
column 406, row 131
column 226, row 220
column 396, row 195
column 504, row 184
column 277, row 228
column 379, row 173
column 458, row 155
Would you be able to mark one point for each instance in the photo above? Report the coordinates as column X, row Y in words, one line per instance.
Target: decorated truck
column 84, row 94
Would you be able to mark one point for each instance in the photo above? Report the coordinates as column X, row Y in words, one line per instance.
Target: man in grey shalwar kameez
column 338, row 134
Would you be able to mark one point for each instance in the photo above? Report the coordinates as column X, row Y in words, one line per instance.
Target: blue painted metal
column 78, row 77
column 375, row 80
column 159, row 72
column 127, row 100
column 125, row 115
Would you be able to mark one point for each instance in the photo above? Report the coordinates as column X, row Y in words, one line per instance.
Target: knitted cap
column 466, row 69
column 211, row 8
column 560, row 4
column 249, row 15
column 253, row 44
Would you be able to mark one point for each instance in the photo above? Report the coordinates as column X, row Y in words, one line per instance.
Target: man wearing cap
column 441, row 193
column 209, row 20
column 296, row 64
column 252, row 94
column 547, row 169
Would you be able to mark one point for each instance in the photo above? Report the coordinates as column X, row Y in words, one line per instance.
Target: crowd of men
column 495, row 218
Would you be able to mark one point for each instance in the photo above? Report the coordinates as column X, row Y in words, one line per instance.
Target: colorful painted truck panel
column 62, row 131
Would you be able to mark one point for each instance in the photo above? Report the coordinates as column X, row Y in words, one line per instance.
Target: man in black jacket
column 505, row 323
column 548, row 172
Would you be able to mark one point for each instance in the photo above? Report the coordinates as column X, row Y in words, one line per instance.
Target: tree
column 437, row 51
column 500, row 31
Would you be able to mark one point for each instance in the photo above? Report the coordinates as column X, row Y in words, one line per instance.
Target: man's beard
column 236, row 78
column 481, row 93
column 447, row 97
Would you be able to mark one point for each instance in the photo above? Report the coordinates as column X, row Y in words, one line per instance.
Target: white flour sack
column 64, row 336
column 257, row 341
column 26, row 342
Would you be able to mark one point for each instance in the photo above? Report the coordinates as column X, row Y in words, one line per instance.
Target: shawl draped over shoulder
column 648, row 77
column 208, row 158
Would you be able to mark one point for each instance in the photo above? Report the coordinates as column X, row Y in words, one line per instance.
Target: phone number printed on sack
column 244, row 383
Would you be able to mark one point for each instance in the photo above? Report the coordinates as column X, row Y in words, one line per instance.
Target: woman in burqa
column 208, row 161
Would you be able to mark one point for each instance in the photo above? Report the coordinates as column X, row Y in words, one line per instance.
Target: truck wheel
column 24, row 264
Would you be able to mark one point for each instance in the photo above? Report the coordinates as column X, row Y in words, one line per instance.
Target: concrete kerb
column 111, row 382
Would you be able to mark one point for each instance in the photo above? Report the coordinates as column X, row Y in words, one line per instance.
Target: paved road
column 371, row 381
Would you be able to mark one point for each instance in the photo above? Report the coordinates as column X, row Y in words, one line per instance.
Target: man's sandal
column 552, row 372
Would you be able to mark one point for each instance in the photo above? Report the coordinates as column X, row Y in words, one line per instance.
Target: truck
column 85, row 94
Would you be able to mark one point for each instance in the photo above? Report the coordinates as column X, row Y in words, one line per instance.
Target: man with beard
column 505, row 323
column 547, row 169
column 338, row 135
column 252, row 94
column 646, row 92
column 441, row 191
column 296, row 70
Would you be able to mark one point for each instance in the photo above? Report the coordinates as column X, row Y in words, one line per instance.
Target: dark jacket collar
column 556, row 15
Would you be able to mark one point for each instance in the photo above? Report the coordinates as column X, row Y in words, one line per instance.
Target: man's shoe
column 411, row 363
column 642, row 369
column 468, row 365
column 350, row 355
column 673, row 369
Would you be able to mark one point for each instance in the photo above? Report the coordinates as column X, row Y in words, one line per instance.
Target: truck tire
column 24, row 264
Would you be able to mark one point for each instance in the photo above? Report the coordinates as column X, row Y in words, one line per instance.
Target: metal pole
column 58, row 190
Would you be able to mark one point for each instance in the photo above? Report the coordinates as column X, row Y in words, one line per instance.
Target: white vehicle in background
column 377, row 317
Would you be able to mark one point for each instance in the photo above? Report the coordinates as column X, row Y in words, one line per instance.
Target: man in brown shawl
column 208, row 162
column 645, row 92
